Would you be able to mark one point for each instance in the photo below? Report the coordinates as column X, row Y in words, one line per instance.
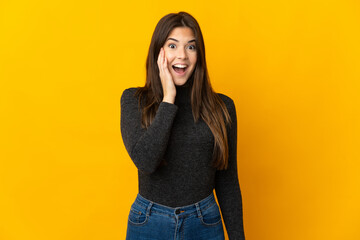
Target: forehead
column 182, row 33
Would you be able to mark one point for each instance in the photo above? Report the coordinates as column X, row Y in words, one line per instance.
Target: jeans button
column 177, row 211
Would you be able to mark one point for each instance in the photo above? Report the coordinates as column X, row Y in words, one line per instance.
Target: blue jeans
column 199, row 221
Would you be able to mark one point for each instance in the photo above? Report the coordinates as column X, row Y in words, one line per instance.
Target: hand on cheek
column 165, row 77
column 167, row 60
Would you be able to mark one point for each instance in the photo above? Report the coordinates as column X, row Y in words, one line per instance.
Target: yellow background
column 292, row 68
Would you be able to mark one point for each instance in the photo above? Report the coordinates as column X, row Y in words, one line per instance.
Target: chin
column 179, row 82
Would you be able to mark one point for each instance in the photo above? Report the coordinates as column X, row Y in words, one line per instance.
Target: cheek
column 168, row 57
column 193, row 59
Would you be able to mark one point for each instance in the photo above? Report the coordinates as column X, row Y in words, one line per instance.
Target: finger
column 162, row 69
column 165, row 64
column 159, row 57
column 162, row 57
column 167, row 68
column 160, row 61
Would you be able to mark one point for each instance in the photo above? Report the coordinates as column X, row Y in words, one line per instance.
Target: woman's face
column 180, row 52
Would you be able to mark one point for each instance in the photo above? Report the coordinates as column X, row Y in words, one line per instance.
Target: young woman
column 182, row 137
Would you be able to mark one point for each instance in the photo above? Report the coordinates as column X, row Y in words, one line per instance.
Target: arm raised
column 146, row 147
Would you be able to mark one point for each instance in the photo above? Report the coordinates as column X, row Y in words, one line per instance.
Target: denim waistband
column 177, row 211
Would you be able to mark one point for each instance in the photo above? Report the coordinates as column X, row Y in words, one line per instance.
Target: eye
column 192, row 47
column 172, row 45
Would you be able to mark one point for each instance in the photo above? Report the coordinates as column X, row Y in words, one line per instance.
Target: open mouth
column 179, row 68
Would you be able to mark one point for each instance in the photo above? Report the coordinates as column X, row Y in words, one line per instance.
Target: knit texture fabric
column 187, row 147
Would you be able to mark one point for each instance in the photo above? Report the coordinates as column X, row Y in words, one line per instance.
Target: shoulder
column 229, row 102
column 128, row 94
column 230, row 105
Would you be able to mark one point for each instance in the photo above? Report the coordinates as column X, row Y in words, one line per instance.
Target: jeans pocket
column 211, row 215
column 137, row 215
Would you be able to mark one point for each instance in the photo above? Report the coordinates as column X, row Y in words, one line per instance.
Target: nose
column 181, row 53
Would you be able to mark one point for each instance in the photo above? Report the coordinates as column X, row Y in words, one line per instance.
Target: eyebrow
column 178, row 40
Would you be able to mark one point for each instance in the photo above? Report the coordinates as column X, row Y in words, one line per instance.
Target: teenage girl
column 182, row 137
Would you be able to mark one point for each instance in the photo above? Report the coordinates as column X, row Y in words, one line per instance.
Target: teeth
column 180, row 66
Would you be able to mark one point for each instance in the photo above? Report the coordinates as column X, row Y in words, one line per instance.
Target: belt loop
column 198, row 210
column 148, row 208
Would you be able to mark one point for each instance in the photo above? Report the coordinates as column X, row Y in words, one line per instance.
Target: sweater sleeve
column 146, row 147
column 227, row 186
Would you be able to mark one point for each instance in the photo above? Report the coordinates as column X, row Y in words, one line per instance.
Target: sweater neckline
column 183, row 95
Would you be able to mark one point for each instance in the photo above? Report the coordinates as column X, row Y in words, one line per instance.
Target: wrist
column 169, row 99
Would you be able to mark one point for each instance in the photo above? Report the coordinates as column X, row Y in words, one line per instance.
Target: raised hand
column 167, row 81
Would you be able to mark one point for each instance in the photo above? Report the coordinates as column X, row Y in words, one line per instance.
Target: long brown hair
column 204, row 101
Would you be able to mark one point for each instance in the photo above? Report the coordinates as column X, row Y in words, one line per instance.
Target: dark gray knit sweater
column 187, row 148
